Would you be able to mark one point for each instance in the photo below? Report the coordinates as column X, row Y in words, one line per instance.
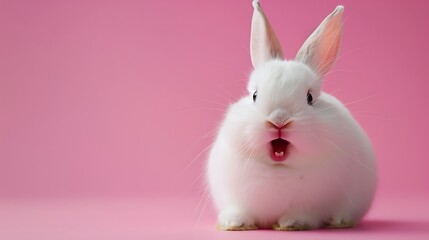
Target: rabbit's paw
column 231, row 219
column 288, row 223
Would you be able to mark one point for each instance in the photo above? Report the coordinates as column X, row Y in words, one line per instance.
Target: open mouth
column 279, row 149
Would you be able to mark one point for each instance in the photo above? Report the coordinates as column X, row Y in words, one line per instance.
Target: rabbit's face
column 283, row 98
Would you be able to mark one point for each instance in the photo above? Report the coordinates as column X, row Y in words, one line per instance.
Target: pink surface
column 119, row 99
column 179, row 218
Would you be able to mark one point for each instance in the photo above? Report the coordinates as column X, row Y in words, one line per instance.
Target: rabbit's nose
column 278, row 125
column 278, row 119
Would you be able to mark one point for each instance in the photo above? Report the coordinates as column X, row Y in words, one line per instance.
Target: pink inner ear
column 273, row 44
column 320, row 50
column 327, row 51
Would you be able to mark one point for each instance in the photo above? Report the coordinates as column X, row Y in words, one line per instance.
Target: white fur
column 329, row 174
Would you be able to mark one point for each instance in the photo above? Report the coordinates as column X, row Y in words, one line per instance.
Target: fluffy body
column 329, row 175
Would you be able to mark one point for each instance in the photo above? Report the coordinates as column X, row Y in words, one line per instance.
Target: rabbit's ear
column 264, row 44
column 320, row 49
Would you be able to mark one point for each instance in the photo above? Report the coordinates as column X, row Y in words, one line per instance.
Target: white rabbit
column 289, row 156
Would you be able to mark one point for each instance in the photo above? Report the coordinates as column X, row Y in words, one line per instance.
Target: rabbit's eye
column 309, row 98
column 255, row 94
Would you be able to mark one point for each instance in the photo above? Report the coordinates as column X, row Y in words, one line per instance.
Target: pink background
column 118, row 100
